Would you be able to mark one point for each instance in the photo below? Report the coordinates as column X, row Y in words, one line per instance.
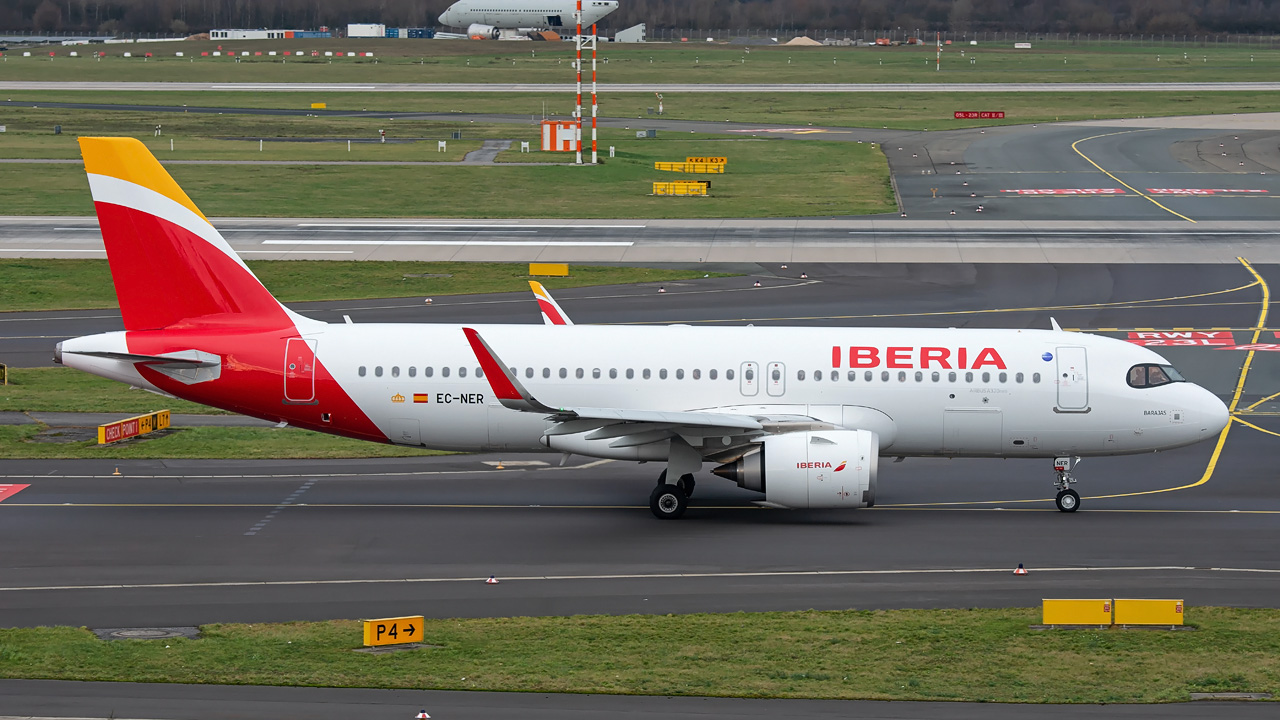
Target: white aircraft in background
column 798, row 414
column 486, row 18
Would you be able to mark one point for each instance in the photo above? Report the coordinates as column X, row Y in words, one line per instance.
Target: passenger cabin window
column 444, row 371
column 680, row 374
column 646, row 373
column 1145, row 376
column 579, row 373
column 546, row 372
column 395, row 371
column 564, row 373
column 462, row 372
column 711, row 374
column 697, row 374
column 428, row 371
column 1035, row 377
column 413, row 371
column 378, row 371
column 799, row 375
column 728, row 375
column 528, row 372
column 362, row 372
column 662, row 374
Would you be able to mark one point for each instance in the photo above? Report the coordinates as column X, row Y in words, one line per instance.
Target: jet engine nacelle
column 477, row 30
column 816, row 469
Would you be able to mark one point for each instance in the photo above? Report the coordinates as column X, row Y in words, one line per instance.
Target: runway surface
column 642, row 88
column 650, row 242
column 188, row 542
column 206, row 702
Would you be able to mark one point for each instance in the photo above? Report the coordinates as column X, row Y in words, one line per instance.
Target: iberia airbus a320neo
column 798, row 414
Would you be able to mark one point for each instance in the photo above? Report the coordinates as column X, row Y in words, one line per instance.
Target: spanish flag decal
column 422, row 397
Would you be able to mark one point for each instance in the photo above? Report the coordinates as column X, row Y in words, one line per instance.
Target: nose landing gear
column 1068, row 500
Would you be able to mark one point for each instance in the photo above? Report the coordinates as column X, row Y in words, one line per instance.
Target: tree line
column 958, row 16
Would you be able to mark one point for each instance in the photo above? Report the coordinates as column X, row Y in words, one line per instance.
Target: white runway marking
column 467, row 225
column 484, row 243
column 640, row 576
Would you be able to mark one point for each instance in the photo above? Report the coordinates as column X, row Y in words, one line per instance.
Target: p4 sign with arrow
column 393, row 631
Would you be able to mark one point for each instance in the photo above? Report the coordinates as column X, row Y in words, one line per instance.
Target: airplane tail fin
column 551, row 312
column 168, row 263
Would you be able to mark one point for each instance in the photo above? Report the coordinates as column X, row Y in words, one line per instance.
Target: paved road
column 184, row 542
column 22, row 698
column 648, row 242
column 125, row 87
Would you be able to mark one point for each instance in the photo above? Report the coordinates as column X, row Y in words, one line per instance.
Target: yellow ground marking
column 1255, row 427
column 1118, row 304
column 1250, row 408
column 1113, row 177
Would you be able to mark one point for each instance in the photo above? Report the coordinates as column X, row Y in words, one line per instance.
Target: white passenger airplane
column 800, row 415
column 485, row 18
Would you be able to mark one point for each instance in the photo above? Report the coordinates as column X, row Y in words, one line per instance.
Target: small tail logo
column 840, row 466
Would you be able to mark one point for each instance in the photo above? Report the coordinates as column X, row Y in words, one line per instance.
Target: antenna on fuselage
column 1056, row 326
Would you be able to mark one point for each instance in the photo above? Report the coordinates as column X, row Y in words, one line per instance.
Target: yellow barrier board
column 132, row 427
column 318, row 106
column 679, row 188
column 688, row 167
column 549, row 269
column 1148, row 612
column 393, row 631
column 1077, row 612
column 711, row 160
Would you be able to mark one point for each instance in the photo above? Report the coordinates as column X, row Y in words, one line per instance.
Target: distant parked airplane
column 485, row 18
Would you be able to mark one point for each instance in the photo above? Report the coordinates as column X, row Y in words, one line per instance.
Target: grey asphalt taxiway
column 37, row 699
column 182, row 542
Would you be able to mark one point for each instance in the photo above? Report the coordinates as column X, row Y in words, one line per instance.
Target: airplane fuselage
column 953, row 392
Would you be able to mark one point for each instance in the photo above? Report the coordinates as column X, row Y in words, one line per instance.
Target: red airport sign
column 979, row 114
column 1183, row 338
column 1066, row 191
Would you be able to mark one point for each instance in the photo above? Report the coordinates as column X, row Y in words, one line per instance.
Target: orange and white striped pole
column 577, row 41
column 594, row 40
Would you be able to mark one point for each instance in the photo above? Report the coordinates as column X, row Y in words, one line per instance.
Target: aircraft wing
column 636, row 426
column 552, row 314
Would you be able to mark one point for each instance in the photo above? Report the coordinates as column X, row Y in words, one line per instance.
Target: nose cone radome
column 446, row 17
column 1214, row 415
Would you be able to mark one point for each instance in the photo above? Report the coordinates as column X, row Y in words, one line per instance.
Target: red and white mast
column 593, row 93
column 577, row 41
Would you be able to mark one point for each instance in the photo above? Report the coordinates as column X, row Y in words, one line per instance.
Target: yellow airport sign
column 132, row 427
column 680, row 188
column 318, row 106
column 1148, row 612
column 689, row 167
column 1077, row 612
column 393, row 631
column 712, row 160
column 549, row 269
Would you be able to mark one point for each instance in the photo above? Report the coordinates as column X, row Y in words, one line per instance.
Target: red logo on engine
column 840, row 466
column 815, row 465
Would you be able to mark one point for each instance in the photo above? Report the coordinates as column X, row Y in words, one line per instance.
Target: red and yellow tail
column 168, row 263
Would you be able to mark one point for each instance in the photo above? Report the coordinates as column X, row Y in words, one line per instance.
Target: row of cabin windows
column 696, row 374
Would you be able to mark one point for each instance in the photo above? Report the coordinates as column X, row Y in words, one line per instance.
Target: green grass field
column 19, row 442
column 905, row 111
column 773, row 178
column 50, row 284
column 970, row 655
column 401, row 61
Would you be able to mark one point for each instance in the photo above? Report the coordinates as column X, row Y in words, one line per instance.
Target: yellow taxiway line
column 1113, row 177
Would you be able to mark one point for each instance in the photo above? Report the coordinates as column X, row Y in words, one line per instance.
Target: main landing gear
column 668, row 501
column 1068, row 500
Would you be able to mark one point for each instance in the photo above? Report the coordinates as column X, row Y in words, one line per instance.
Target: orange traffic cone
column 494, row 581
column 423, row 716
column 1020, row 570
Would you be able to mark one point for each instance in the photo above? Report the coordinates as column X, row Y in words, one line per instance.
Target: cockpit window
column 1145, row 376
